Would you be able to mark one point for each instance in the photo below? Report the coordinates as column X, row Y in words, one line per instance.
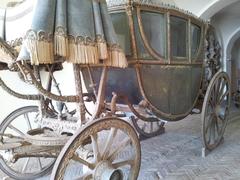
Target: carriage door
column 186, row 68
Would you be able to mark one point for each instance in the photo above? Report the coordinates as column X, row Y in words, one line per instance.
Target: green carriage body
column 165, row 52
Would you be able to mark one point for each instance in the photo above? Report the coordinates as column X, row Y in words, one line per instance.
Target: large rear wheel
column 215, row 110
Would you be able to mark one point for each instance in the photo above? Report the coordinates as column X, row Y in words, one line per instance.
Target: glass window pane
column 154, row 26
column 195, row 39
column 178, row 32
column 142, row 52
column 121, row 26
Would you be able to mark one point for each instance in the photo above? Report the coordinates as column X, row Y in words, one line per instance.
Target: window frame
column 157, row 59
column 144, row 36
column 123, row 11
column 179, row 58
column 146, row 42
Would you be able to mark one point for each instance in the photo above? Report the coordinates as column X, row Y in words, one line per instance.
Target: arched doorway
column 214, row 7
column 233, row 60
column 235, row 66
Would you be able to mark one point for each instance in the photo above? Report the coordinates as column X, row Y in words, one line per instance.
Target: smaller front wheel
column 106, row 149
column 215, row 110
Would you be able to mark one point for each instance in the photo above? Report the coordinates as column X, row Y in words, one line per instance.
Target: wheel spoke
column 121, row 146
column 86, row 176
column 216, row 90
column 223, row 97
column 123, row 163
column 210, row 131
column 25, row 165
column 97, row 155
column 217, row 126
column 213, row 131
column 84, row 162
column 151, row 127
column 224, row 83
column 39, row 164
column 108, row 144
column 144, row 127
column 26, row 117
column 16, row 130
column 210, row 119
column 211, row 102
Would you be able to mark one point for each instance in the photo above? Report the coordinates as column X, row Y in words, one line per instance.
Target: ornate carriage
column 164, row 81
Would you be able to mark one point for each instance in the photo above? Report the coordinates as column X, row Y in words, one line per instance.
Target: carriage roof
column 153, row 4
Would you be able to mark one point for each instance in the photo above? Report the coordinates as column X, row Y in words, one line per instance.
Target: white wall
column 9, row 103
column 227, row 24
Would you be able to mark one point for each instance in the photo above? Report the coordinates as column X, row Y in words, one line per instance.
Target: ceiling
column 3, row 3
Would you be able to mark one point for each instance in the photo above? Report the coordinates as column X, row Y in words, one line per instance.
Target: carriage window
column 154, row 26
column 178, row 32
column 142, row 52
column 120, row 23
column 195, row 39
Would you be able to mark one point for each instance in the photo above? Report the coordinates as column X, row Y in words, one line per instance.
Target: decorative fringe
column 61, row 45
column 18, row 48
column 102, row 50
column 77, row 50
column 116, row 58
column 41, row 52
column 80, row 53
column 5, row 57
column 7, row 53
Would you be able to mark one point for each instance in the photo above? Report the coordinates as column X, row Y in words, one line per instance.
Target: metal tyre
column 107, row 148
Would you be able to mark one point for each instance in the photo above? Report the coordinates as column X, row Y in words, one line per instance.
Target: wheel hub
column 105, row 171
column 218, row 110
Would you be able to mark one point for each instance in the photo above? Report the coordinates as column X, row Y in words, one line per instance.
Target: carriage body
column 165, row 52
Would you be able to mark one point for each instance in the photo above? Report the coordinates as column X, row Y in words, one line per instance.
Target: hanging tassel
column 61, row 46
column 60, row 42
column 116, row 58
column 81, row 52
column 102, row 48
column 41, row 50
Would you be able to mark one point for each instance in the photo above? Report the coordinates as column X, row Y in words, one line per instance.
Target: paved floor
column 176, row 155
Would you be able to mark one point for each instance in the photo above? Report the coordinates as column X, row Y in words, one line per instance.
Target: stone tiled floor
column 176, row 155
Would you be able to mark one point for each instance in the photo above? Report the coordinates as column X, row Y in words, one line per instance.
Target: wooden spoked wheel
column 17, row 124
column 215, row 110
column 148, row 129
column 107, row 148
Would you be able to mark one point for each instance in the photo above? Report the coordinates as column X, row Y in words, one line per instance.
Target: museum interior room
column 119, row 89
